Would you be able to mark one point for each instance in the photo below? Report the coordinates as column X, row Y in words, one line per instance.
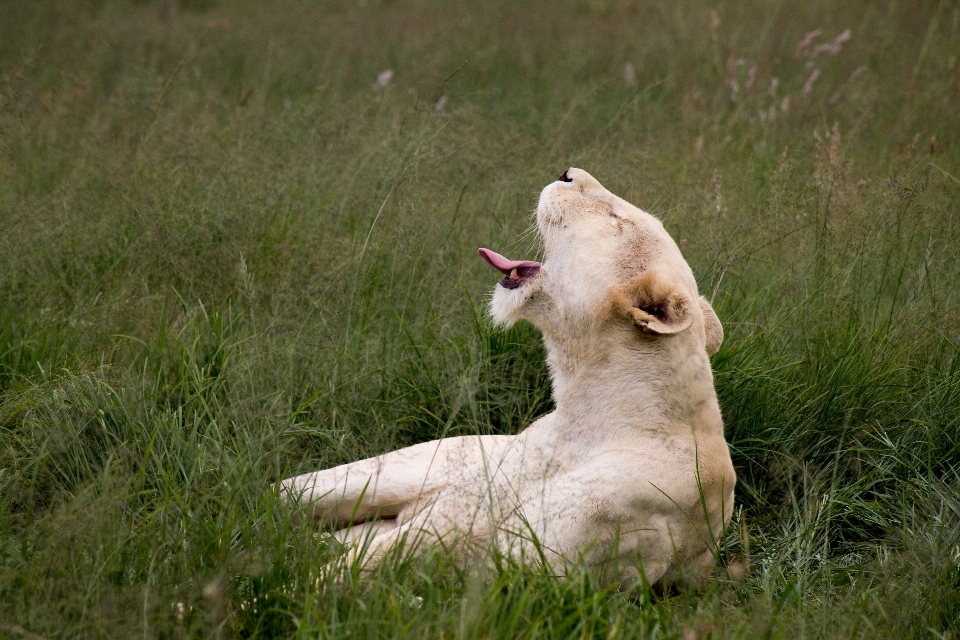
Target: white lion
column 630, row 473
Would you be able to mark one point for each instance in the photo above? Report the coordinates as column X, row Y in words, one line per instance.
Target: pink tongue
column 505, row 266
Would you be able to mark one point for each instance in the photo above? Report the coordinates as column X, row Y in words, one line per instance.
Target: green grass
column 226, row 259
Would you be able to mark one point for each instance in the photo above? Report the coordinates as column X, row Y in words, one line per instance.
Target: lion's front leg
column 369, row 551
column 382, row 487
column 457, row 520
column 365, row 530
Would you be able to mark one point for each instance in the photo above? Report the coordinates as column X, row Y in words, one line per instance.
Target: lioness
column 631, row 472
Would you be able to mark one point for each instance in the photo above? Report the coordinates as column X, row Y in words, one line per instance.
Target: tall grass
column 226, row 258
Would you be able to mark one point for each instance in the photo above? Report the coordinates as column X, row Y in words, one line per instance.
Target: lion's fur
column 631, row 470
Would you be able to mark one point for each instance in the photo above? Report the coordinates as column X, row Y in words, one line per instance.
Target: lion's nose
column 564, row 177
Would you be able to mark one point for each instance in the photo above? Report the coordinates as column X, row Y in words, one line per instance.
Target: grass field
column 228, row 256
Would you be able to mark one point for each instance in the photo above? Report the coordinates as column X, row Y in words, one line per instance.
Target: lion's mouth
column 516, row 271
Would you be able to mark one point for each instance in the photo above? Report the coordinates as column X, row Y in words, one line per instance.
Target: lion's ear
column 656, row 305
column 711, row 327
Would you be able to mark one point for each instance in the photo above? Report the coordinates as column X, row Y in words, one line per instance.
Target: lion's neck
column 660, row 386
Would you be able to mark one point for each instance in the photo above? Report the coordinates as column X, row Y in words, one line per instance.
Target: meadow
column 233, row 248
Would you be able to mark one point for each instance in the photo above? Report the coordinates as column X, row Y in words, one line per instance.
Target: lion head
column 606, row 263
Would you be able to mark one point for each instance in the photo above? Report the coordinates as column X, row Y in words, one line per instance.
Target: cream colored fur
column 615, row 475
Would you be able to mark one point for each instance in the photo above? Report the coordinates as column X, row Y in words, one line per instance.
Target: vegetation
column 233, row 249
